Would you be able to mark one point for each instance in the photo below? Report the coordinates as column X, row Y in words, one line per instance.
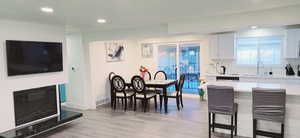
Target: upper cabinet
column 292, row 46
column 222, row 46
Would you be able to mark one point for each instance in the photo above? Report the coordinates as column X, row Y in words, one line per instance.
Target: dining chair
column 177, row 94
column 147, row 76
column 119, row 90
column 268, row 105
column 110, row 76
column 221, row 101
column 142, row 93
column 160, row 75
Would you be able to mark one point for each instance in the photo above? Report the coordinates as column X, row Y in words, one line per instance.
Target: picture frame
column 147, row 50
column 114, row 51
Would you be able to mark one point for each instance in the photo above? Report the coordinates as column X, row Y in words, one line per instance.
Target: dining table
column 162, row 84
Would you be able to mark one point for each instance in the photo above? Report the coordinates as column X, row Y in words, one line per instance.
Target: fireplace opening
column 35, row 104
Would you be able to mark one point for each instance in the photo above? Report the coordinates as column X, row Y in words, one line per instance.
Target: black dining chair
column 119, row 91
column 176, row 94
column 160, row 75
column 110, row 76
column 147, row 76
column 142, row 93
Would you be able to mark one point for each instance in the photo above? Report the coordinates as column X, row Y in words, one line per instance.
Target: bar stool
column 268, row 105
column 221, row 101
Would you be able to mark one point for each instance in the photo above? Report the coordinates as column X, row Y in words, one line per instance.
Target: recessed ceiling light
column 47, row 10
column 101, row 21
column 254, row 27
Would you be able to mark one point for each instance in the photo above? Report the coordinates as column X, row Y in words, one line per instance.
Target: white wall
column 76, row 91
column 100, row 68
column 11, row 30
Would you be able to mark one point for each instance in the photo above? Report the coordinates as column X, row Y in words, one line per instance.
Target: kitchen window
column 253, row 51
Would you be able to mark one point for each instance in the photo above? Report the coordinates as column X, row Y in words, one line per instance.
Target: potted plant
column 201, row 90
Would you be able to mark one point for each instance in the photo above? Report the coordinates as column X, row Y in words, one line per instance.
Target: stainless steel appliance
column 298, row 70
column 222, row 70
column 289, row 70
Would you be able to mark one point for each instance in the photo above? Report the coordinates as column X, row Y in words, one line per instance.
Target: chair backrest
column 269, row 104
column 110, row 75
column 220, row 99
column 118, row 83
column 138, row 84
column 160, row 75
column 147, row 76
column 180, row 83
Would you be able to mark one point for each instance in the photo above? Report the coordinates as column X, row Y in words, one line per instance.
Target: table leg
column 165, row 99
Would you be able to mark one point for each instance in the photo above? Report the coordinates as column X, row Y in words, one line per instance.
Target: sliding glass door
column 167, row 61
column 176, row 59
column 189, row 62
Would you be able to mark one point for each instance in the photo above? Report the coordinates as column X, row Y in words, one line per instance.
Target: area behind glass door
column 189, row 61
column 167, row 61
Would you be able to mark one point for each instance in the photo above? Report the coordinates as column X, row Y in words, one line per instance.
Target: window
column 265, row 50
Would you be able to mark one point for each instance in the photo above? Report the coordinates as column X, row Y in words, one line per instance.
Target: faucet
column 258, row 65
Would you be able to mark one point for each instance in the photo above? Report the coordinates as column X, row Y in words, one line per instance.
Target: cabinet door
column 226, row 46
column 292, row 46
column 213, row 47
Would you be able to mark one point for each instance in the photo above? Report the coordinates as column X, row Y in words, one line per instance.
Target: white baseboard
column 75, row 106
column 102, row 101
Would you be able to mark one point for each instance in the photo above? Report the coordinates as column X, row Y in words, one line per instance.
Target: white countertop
column 256, row 76
column 291, row 88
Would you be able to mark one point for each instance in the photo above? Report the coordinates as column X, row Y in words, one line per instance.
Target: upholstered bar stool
column 221, row 101
column 268, row 105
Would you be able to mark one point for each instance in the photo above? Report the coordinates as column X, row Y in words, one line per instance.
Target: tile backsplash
column 233, row 68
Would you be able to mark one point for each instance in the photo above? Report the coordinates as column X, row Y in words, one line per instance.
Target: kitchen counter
column 243, row 96
column 246, row 87
column 256, row 76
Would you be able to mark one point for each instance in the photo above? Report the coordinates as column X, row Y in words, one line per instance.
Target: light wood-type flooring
column 190, row 122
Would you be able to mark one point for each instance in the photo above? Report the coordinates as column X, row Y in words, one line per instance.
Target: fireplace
column 35, row 104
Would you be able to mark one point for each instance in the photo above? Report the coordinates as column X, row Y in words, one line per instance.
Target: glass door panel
column 167, row 61
column 189, row 64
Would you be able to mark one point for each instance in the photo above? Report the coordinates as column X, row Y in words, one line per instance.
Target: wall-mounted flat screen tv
column 29, row 57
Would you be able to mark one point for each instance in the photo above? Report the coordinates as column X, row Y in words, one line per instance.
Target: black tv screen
column 34, row 104
column 28, row 57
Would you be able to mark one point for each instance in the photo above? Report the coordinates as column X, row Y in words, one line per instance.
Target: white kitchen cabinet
column 226, row 46
column 292, row 46
column 222, row 46
column 213, row 47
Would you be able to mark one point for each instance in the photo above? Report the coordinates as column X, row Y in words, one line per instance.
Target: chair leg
column 145, row 105
column 209, row 126
column 115, row 103
column 125, row 104
column 235, row 121
column 213, row 123
column 122, row 101
column 131, row 101
column 254, row 127
column 232, row 128
column 112, row 102
column 134, row 108
column 177, row 103
column 181, row 101
column 155, row 102
column 160, row 102
column 282, row 130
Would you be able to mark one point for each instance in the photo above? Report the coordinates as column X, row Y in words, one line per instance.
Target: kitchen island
column 243, row 96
